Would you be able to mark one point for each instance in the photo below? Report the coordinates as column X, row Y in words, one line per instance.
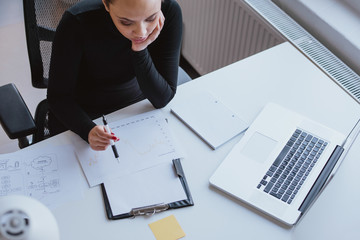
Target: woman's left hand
column 152, row 36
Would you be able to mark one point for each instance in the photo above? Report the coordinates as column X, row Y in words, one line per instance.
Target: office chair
column 41, row 18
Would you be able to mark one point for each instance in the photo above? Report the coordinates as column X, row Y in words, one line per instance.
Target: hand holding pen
column 112, row 143
column 100, row 137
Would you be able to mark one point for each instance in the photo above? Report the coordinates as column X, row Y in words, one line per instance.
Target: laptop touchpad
column 259, row 147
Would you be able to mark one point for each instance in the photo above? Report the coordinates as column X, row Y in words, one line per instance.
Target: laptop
column 280, row 164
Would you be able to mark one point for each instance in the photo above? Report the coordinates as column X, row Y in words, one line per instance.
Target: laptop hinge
column 322, row 178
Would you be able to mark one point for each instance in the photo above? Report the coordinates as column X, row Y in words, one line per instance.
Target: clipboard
column 152, row 209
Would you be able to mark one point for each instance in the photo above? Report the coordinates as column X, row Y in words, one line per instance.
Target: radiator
column 322, row 57
column 220, row 32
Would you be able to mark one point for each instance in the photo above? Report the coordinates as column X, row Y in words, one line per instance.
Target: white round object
column 24, row 218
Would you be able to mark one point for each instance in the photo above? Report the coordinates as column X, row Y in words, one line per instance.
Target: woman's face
column 135, row 19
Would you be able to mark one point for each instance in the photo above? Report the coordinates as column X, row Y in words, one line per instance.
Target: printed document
column 51, row 175
column 145, row 141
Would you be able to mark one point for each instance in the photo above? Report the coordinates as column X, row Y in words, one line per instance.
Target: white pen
column 111, row 141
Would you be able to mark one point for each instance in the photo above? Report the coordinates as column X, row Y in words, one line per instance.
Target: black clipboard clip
column 156, row 208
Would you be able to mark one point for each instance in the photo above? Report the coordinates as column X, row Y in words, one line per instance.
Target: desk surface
column 280, row 74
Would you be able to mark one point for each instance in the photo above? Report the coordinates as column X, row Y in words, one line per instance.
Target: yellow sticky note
column 167, row 229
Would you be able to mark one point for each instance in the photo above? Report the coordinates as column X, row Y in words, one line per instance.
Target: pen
column 111, row 141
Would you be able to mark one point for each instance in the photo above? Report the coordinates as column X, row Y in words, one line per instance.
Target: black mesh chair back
column 41, row 18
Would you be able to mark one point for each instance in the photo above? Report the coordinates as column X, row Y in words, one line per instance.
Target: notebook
column 208, row 117
column 280, row 164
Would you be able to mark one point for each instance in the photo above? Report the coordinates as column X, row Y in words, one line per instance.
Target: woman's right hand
column 152, row 36
column 99, row 139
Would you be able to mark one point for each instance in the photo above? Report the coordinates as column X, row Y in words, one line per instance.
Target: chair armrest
column 15, row 116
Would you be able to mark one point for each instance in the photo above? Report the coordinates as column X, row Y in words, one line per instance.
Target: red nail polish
column 112, row 133
column 114, row 138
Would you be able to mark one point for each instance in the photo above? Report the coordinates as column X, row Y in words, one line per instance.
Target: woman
column 107, row 55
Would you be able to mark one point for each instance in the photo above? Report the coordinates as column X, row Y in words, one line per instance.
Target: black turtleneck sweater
column 94, row 71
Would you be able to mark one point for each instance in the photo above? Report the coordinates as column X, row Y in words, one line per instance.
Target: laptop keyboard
column 287, row 174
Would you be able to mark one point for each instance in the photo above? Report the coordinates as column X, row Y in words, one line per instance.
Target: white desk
column 281, row 75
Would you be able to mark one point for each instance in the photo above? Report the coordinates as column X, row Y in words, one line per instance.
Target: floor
column 14, row 63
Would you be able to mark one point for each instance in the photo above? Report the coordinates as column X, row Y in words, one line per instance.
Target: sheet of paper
column 145, row 141
column 167, row 229
column 155, row 185
column 52, row 175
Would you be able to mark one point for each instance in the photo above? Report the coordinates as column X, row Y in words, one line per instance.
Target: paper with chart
column 145, row 141
column 52, row 175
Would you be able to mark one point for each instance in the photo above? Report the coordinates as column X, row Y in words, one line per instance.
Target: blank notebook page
column 209, row 118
